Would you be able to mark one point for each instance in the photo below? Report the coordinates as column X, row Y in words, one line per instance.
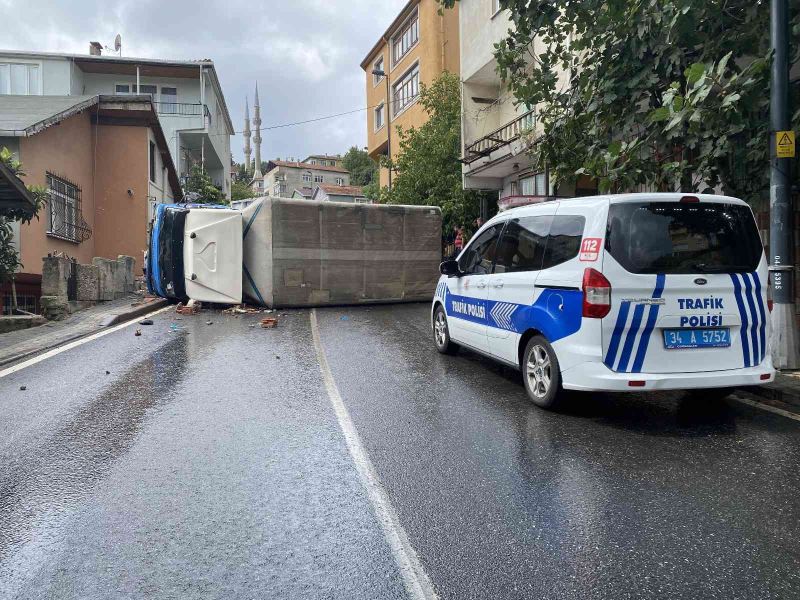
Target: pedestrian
column 459, row 241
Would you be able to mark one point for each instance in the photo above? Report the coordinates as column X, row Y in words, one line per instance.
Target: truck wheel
column 541, row 373
column 441, row 333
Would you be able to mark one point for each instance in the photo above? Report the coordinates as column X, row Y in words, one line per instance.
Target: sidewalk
column 18, row 345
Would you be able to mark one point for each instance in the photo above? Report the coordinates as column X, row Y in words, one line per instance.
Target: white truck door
column 212, row 255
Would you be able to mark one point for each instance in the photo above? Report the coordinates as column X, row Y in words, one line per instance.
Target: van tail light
column 769, row 292
column 596, row 294
column 691, row 199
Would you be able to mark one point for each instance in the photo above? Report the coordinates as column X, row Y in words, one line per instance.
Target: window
column 340, row 181
column 152, row 162
column 405, row 38
column 406, row 90
column 169, row 100
column 65, row 220
column 317, row 178
column 122, row 88
column 671, row 237
column 19, row 79
column 379, row 116
column 377, row 66
column 523, row 244
column 280, row 188
column 307, row 177
column 564, row 240
column 535, row 185
column 495, row 7
column 363, row 201
column 313, row 161
column 149, row 89
column 477, row 259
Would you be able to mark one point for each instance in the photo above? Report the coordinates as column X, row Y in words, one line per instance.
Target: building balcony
column 499, row 138
column 182, row 109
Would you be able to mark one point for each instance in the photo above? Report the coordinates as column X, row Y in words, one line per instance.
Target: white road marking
column 767, row 407
column 415, row 579
column 76, row 343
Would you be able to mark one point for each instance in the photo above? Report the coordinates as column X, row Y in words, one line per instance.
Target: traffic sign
column 784, row 144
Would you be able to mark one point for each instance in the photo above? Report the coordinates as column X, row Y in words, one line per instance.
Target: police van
column 631, row 292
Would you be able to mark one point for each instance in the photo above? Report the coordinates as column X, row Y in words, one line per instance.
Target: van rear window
column 668, row 237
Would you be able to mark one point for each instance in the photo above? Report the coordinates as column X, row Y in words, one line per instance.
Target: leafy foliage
column 9, row 258
column 428, row 171
column 201, row 189
column 363, row 170
column 240, row 190
column 667, row 94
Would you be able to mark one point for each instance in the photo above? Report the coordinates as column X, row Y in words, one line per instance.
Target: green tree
column 9, row 258
column 240, row 190
column 427, row 168
column 363, row 170
column 201, row 189
column 663, row 93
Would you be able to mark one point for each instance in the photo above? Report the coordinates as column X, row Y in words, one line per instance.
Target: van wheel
column 441, row 333
column 541, row 373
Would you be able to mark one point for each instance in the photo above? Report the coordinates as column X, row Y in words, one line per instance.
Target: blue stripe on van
column 622, row 318
column 762, row 330
column 737, row 290
column 250, row 222
column 652, row 317
column 253, row 285
column 627, row 349
column 754, row 319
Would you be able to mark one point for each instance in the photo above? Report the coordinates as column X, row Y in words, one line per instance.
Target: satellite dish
column 118, row 44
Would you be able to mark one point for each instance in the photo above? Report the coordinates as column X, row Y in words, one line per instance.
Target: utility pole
column 781, row 230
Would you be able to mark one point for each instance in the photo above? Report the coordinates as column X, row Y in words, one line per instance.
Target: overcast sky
column 305, row 54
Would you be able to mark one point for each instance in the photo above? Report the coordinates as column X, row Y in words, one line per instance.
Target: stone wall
column 69, row 286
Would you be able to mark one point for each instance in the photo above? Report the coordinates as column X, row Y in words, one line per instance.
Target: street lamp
column 382, row 73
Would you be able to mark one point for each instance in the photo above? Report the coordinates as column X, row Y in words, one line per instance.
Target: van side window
column 564, row 240
column 479, row 255
column 522, row 244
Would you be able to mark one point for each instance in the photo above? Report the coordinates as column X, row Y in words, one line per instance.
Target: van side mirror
column 450, row 268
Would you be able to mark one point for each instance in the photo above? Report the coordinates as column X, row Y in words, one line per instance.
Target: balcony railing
column 499, row 138
column 182, row 109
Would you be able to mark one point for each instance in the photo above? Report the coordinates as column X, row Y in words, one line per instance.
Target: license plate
column 675, row 339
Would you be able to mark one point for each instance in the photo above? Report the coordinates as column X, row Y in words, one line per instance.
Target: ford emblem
column 700, row 281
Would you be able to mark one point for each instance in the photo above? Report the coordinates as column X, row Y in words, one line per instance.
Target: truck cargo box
column 307, row 253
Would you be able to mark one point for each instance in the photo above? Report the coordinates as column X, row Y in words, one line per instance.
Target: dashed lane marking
column 415, row 579
column 76, row 343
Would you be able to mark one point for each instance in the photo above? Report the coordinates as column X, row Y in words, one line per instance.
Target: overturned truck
column 280, row 252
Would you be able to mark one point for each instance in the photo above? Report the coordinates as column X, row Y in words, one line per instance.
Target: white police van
column 632, row 292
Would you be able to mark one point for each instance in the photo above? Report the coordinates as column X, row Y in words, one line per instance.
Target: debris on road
column 146, row 322
column 22, row 388
column 344, row 318
column 209, row 322
column 108, row 372
column 242, row 309
column 138, row 332
column 190, row 308
column 269, row 323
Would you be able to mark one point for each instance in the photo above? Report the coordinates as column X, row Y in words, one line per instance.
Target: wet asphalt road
column 209, row 463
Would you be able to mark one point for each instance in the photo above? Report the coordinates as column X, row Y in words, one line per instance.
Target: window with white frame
column 20, row 79
column 340, row 181
column 379, row 116
column 317, row 178
column 406, row 37
column 377, row 66
column 307, row 177
column 169, row 99
column 405, row 91
column 535, row 185
column 495, row 7
column 122, row 88
column 149, row 89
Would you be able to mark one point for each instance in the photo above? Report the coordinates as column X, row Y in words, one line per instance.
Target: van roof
column 618, row 198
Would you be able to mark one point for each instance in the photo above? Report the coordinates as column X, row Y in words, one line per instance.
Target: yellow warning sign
column 784, row 144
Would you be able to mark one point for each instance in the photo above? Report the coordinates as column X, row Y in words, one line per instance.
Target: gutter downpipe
column 137, row 80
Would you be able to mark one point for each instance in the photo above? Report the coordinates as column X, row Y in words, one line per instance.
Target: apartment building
column 283, row 178
column 418, row 46
column 187, row 96
column 496, row 134
column 105, row 162
column 325, row 160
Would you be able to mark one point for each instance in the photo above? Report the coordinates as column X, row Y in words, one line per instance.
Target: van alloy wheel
column 539, row 371
column 440, row 329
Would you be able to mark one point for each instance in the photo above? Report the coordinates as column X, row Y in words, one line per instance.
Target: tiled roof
column 342, row 190
column 309, row 166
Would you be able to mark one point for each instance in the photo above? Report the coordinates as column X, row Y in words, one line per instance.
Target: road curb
column 139, row 311
column 771, row 393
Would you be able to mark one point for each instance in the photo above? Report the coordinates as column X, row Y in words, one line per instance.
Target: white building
column 495, row 133
column 186, row 94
